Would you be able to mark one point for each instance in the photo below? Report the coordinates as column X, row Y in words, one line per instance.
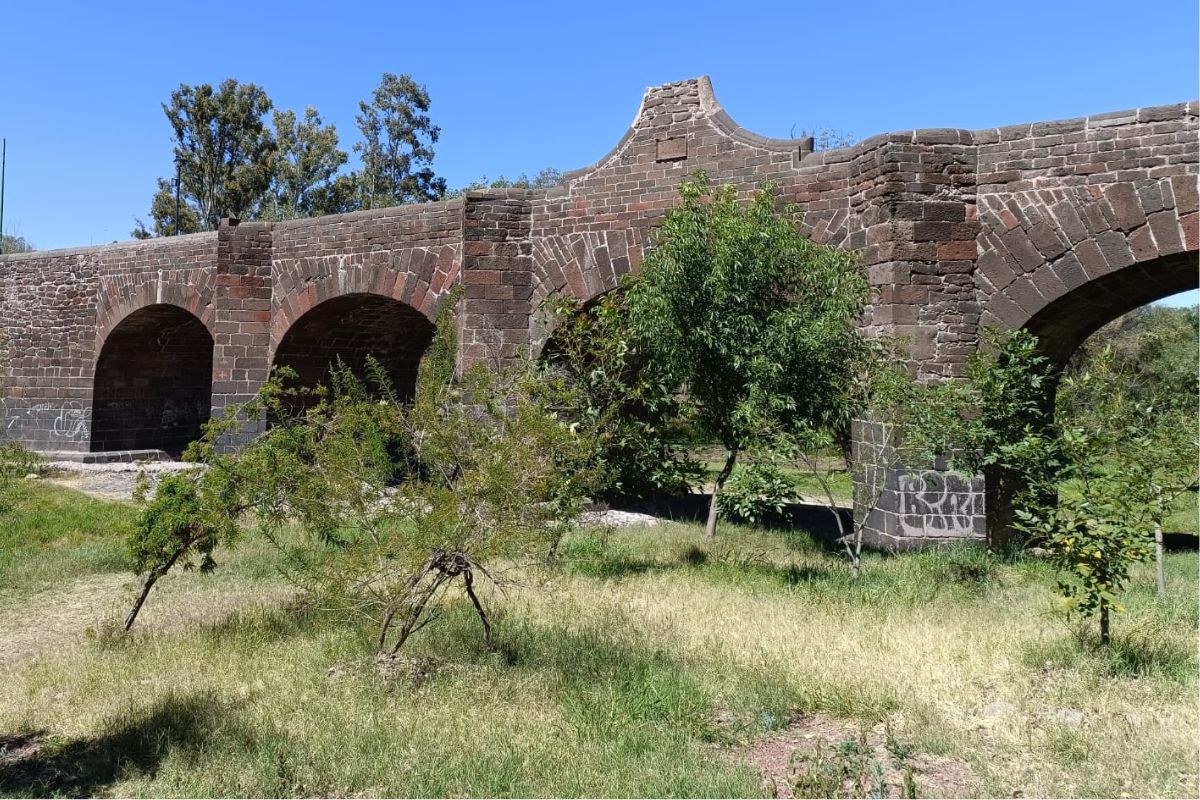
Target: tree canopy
column 234, row 161
column 756, row 321
column 397, row 146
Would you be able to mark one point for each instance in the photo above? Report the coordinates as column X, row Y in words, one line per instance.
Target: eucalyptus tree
column 397, row 146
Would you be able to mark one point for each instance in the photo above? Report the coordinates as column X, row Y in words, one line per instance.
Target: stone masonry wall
column 1056, row 226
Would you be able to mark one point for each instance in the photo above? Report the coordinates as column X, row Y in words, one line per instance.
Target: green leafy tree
column 163, row 212
column 304, row 182
column 1093, row 538
column 1097, row 527
column 1140, row 436
column 225, row 154
column 595, row 376
column 1086, row 465
column 397, row 147
column 755, row 320
column 14, row 244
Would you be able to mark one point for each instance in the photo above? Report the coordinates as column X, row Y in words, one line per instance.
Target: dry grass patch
column 617, row 674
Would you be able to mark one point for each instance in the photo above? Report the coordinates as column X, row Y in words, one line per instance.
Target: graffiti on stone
column 72, row 423
column 69, row 422
column 941, row 504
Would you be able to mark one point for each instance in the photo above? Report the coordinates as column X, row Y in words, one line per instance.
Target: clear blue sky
column 521, row 86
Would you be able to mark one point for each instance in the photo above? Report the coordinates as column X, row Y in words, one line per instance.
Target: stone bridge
column 1054, row 226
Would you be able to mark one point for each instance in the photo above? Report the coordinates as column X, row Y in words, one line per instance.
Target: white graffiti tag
column 69, row 421
column 72, row 423
column 936, row 503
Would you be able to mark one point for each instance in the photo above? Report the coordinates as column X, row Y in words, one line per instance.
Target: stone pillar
column 497, row 275
column 242, row 319
column 919, row 228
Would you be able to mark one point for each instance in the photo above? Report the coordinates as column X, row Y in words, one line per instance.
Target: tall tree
column 14, row 244
column 757, row 321
column 397, row 147
column 224, row 151
column 306, row 166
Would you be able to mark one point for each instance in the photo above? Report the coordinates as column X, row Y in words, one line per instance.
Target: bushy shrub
column 757, row 492
column 596, row 377
column 397, row 502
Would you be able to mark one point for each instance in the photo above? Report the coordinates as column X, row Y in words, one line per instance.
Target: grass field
column 645, row 665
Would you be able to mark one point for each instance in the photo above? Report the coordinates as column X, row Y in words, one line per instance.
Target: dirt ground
column 826, row 756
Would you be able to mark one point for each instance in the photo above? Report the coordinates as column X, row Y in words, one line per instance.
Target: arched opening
column 153, row 384
column 353, row 327
column 1063, row 324
column 1075, row 327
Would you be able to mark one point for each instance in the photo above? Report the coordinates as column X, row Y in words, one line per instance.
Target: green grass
column 610, row 678
column 806, row 484
column 50, row 535
column 1185, row 511
column 1185, row 515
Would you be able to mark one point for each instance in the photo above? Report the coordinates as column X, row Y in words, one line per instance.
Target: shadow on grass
column 35, row 764
column 817, row 520
column 720, row 564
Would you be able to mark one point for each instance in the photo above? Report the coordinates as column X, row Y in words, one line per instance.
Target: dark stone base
column 108, row 456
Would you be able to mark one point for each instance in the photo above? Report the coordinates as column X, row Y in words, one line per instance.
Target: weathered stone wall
column 58, row 307
column 1085, row 219
column 1055, row 226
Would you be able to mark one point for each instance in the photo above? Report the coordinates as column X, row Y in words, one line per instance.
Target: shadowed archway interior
column 153, row 384
column 1064, row 324
column 352, row 327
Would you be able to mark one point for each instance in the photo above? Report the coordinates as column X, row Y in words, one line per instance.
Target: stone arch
column 1064, row 261
column 122, row 296
column 584, row 264
column 352, row 327
column 152, row 386
column 1063, row 323
column 417, row 277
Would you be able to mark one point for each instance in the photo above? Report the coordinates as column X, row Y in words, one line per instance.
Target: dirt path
column 111, row 481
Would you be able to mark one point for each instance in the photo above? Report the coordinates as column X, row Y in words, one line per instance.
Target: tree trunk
column 1104, row 636
column 1160, row 575
column 151, row 578
column 710, row 529
column 483, row 617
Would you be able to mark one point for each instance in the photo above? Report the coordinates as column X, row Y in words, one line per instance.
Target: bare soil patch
column 818, row 756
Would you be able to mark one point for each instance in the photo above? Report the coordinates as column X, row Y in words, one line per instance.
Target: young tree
column 397, row 147
column 225, row 154
column 398, row 503
column 1137, row 433
column 306, row 167
column 1085, row 464
column 756, row 321
column 879, row 389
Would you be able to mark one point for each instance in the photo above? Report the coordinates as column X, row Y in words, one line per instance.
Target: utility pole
column 176, row 195
column 3, row 164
